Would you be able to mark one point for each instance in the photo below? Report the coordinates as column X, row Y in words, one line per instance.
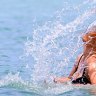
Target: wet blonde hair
column 91, row 37
column 91, row 33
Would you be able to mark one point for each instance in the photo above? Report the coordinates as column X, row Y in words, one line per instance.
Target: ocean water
column 39, row 40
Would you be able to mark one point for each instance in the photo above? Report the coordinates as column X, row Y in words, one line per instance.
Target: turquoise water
column 39, row 40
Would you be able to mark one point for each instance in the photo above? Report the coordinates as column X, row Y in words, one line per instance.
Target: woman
column 84, row 70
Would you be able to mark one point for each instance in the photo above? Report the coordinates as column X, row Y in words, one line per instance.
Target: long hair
column 91, row 35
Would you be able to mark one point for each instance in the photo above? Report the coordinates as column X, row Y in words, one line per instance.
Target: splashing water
column 53, row 49
column 54, row 44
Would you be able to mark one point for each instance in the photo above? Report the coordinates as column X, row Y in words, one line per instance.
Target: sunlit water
column 40, row 40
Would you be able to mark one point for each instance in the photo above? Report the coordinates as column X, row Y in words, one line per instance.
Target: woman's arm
column 75, row 67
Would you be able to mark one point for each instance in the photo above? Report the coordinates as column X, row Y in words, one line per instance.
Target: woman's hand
column 61, row 79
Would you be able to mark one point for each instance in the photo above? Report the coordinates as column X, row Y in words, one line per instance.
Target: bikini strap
column 79, row 60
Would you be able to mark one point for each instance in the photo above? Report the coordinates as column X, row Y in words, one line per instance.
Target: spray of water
column 53, row 48
column 55, row 44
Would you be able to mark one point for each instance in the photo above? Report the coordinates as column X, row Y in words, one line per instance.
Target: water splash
column 44, row 89
column 55, row 43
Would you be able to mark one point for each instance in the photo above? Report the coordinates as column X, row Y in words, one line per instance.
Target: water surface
column 40, row 40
